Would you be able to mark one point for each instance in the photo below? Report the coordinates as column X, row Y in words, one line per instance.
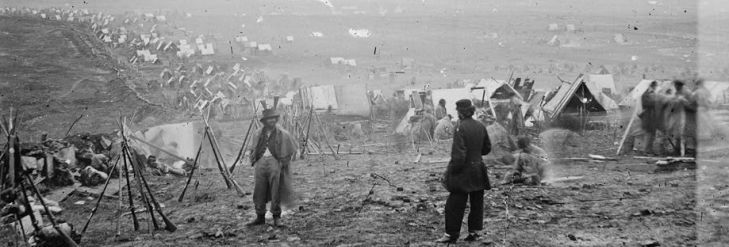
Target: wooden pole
column 121, row 202
column 243, row 147
column 215, row 154
column 221, row 163
column 308, row 129
column 326, row 139
column 627, row 130
column 194, row 165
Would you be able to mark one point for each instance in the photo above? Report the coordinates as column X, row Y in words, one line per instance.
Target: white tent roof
column 600, row 82
column 321, row 97
column 640, row 88
column 596, row 84
column 350, row 99
column 564, row 95
column 451, row 96
column 491, row 85
column 719, row 91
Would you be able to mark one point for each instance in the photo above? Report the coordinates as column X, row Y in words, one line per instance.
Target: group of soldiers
column 674, row 112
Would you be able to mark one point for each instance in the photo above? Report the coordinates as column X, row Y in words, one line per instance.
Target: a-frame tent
column 633, row 98
column 573, row 98
column 348, row 99
column 496, row 89
column 719, row 92
column 181, row 140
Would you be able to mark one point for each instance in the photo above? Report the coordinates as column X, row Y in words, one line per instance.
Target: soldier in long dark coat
column 271, row 156
column 651, row 116
column 466, row 177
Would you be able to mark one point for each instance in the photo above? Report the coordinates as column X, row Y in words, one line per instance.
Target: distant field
column 448, row 40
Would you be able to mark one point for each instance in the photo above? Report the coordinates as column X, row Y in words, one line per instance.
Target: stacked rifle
column 209, row 135
column 15, row 181
column 129, row 160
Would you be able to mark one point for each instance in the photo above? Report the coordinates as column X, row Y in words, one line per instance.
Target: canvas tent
column 404, row 126
column 573, row 98
column 602, row 86
column 320, row 97
column 634, row 96
column 183, row 140
column 495, row 89
column 719, row 92
column 602, row 82
column 451, row 96
column 350, row 99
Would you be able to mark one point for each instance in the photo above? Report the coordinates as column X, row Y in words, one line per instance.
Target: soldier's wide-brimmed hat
column 270, row 112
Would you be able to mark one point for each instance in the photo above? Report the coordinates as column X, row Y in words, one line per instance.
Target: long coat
column 466, row 171
column 651, row 116
column 284, row 151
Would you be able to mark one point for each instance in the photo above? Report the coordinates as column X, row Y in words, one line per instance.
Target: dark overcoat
column 466, row 171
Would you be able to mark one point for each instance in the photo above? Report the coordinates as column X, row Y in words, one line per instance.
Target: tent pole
column 326, row 139
column 630, row 124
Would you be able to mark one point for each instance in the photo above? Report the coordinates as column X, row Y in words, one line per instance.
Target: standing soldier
column 271, row 156
column 466, row 175
column 650, row 118
column 440, row 110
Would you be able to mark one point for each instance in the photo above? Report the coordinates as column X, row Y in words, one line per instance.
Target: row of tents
column 585, row 97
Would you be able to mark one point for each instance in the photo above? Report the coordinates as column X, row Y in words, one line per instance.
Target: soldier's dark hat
column 269, row 112
column 463, row 104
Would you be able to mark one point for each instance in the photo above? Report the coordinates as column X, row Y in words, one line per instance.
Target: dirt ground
column 629, row 202
column 53, row 72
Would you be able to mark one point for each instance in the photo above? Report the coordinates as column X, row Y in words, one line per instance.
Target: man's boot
column 472, row 236
column 277, row 222
column 260, row 220
column 447, row 239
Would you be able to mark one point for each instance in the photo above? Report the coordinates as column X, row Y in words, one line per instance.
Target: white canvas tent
column 495, row 89
column 350, row 99
column 265, row 47
column 206, row 49
column 451, row 96
column 572, row 97
column 602, row 82
column 719, row 91
column 404, row 126
column 183, row 140
column 633, row 98
column 320, row 97
column 598, row 85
